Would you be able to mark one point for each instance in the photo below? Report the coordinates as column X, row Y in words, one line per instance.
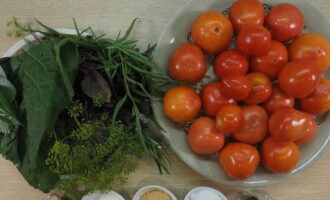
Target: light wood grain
column 109, row 16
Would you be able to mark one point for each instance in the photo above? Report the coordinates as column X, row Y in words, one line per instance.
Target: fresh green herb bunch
column 133, row 78
column 110, row 80
column 95, row 156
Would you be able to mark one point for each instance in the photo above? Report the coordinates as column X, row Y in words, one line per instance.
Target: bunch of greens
column 79, row 107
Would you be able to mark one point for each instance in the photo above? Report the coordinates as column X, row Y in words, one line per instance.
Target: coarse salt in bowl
column 205, row 193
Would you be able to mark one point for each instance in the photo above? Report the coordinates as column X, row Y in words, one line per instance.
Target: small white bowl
column 222, row 196
column 99, row 196
column 145, row 189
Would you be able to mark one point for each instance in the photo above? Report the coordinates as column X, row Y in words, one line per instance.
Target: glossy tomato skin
column 272, row 62
column 181, row 104
column 213, row 98
column 286, row 21
column 311, row 46
column 213, row 32
column 318, row 103
column 255, row 123
column 288, row 124
column 277, row 100
column 229, row 118
column 187, row 63
column 203, row 138
column 299, row 78
column 230, row 62
column 279, row 157
column 239, row 160
column 236, row 86
column 311, row 131
column 254, row 40
column 261, row 88
column 246, row 12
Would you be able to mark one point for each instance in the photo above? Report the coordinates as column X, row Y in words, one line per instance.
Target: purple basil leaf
column 94, row 85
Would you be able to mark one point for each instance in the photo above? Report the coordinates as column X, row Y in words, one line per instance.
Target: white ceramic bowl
column 204, row 188
column 174, row 35
column 94, row 196
column 98, row 196
column 145, row 189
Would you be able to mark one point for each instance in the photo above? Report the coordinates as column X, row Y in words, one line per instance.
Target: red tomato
column 310, row 131
column 239, row 160
column 279, row 157
column 271, row 62
column 247, row 12
column 254, row 40
column 286, row 21
column 230, row 62
column 187, row 63
column 299, row 78
column 229, row 118
column 318, row 102
column 181, row 104
column 311, row 46
column 203, row 138
column 213, row 99
column 261, row 88
column 288, row 124
column 277, row 100
column 213, row 32
column 254, row 128
column 236, row 86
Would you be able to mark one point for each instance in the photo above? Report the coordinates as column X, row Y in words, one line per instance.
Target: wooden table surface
column 110, row 16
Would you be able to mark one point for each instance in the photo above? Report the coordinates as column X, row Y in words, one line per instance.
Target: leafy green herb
column 8, row 120
column 45, row 76
column 47, row 80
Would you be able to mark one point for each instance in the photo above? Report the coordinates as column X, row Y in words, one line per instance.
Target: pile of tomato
column 270, row 87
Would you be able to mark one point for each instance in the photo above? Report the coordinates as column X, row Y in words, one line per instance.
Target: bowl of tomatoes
column 253, row 96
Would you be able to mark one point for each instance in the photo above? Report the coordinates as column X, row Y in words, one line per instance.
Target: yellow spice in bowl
column 155, row 195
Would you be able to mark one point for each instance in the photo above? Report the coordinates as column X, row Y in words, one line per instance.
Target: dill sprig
column 94, row 156
column 18, row 30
